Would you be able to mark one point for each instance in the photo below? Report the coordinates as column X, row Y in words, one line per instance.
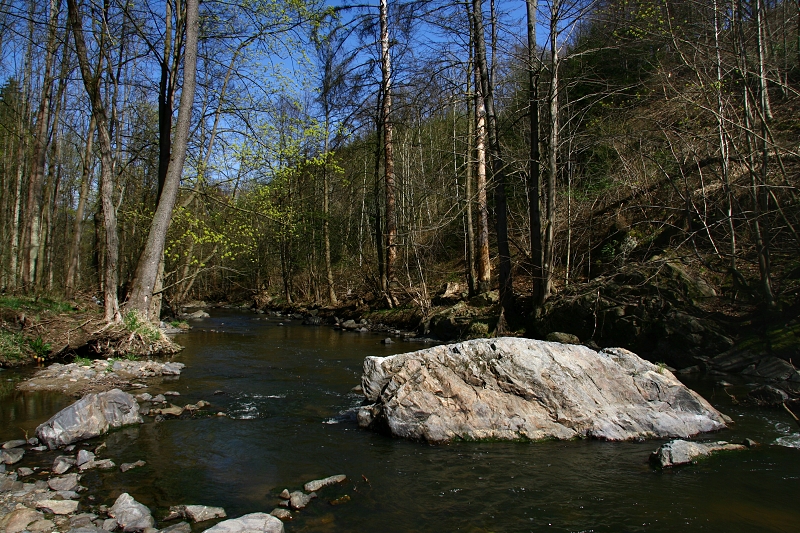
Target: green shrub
column 135, row 323
column 40, row 348
column 12, row 345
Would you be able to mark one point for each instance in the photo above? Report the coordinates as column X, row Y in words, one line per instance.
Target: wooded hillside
column 377, row 152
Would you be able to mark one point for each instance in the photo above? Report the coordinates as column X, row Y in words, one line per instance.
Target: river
column 286, row 390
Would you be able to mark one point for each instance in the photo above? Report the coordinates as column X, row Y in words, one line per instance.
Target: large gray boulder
column 512, row 388
column 89, row 417
column 249, row 523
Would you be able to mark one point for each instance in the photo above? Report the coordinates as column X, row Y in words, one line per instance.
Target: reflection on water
column 287, row 392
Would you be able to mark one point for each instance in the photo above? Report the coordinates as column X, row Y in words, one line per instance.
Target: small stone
column 180, row 527
column 12, row 455
column 24, row 472
column 130, row 514
column 69, row 448
column 14, row 444
column 109, row 524
column 221, row 414
column 84, row 456
column 249, row 523
column 172, row 393
column 63, row 463
column 33, row 441
column 284, row 503
column 68, row 495
column 124, row 467
column 100, row 448
column 59, row 507
column 41, row 526
column 40, row 448
column 283, row 514
column 201, row 513
column 387, row 340
column 144, row 397
column 313, row 486
column 299, row 500
column 159, row 398
column 68, row 482
column 750, row 443
column 17, row 520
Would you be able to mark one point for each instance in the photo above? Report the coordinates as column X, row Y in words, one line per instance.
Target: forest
column 374, row 153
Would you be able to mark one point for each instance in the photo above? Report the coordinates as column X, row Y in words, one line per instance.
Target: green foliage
column 132, row 357
column 35, row 305
column 82, row 361
column 40, row 348
column 135, row 323
column 12, row 345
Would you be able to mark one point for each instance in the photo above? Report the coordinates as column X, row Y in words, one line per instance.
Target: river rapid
column 286, row 389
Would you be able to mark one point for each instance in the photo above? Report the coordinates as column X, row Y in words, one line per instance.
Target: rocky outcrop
column 652, row 308
column 91, row 416
column 249, row 523
column 681, row 452
column 101, row 375
column 513, row 388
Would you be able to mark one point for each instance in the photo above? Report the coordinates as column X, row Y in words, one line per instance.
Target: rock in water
column 313, row 486
column 681, row 452
column 249, row 523
column 201, row 513
column 89, row 417
column 513, row 388
column 130, row 514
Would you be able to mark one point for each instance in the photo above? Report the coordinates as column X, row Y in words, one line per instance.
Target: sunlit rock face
column 513, row 388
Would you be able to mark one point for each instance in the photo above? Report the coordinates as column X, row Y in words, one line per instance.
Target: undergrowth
column 135, row 323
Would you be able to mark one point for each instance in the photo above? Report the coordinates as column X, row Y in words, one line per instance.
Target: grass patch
column 135, row 323
column 12, row 346
column 36, row 305
column 82, row 361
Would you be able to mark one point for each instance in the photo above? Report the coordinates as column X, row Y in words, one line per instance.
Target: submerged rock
column 249, row 523
column 89, row 417
column 681, row 452
column 511, row 388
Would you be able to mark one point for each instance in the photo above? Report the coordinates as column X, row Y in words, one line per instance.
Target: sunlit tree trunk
column 498, row 171
column 148, row 266
column 388, row 155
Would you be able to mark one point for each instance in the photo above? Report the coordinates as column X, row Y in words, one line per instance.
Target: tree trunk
column 147, row 269
column 41, row 140
column 388, row 154
column 548, row 243
column 498, row 172
column 77, row 225
column 92, row 86
column 472, row 274
column 484, row 261
column 534, row 174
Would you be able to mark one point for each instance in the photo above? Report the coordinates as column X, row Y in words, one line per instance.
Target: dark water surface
column 287, row 391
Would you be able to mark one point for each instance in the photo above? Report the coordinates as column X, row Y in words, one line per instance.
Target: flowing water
column 286, row 389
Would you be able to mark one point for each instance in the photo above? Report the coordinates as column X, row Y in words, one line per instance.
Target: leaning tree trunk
column 147, row 269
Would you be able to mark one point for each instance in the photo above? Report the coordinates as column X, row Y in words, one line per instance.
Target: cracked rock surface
column 514, row 388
